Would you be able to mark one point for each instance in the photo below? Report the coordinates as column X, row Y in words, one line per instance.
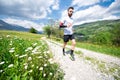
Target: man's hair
column 70, row 8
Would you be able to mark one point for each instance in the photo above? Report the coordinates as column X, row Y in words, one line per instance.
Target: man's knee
column 74, row 43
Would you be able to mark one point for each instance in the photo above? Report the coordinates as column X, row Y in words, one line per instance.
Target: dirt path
column 81, row 69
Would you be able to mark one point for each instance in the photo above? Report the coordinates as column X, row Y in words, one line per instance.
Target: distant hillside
column 95, row 27
column 6, row 26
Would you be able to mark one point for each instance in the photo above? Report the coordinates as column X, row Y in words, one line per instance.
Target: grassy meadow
column 24, row 56
column 106, row 49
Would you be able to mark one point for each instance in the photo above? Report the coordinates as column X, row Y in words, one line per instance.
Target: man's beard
column 69, row 15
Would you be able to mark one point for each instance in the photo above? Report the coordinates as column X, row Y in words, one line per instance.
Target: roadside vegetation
column 24, row 56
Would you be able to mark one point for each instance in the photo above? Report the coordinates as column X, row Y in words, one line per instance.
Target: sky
column 38, row 13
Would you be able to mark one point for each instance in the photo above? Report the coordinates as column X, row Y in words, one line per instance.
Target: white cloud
column 114, row 7
column 25, row 23
column 56, row 5
column 95, row 12
column 35, row 9
column 82, row 3
column 90, row 14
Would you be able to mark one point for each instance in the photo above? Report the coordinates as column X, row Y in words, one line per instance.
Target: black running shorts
column 68, row 37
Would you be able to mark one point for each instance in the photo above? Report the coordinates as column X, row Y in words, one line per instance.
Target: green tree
column 57, row 32
column 32, row 30
column 47, row 30
column 102, row 38
column 116, row 34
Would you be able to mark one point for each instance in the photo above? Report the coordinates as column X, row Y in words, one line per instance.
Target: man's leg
column 73, row 44
column 73, row 47
column 64, row 45
column 65, row 39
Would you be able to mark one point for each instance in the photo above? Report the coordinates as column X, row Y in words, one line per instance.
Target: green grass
column 23, row 56
column 106, row 49
column 110, row 50
column 25, row 35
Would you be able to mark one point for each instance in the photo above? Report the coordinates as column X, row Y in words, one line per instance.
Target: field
column 24, row 56
column 105, row 49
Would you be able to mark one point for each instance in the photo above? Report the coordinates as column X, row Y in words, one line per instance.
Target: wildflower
column 30, row 71
column 23, row 56
column 32, row 65
column 8, row 36
column 26, row 66
column 34, row 44
column 26, row 50
column 50, row 73
column 29, row 48
column 37, row 67
column 41, row 68
column 35, row 49
column 1, row 71
column 48, row 52
column 12, row 50
column 11, row 65
column 45, row 65
column 40, row 57
column 35, row 53
column 44, row 74
column 2, row 63
column 51, row 61
column 10, row 43
column 16, row 55
column 29, row 58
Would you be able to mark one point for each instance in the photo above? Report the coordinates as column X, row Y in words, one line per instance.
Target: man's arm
column 61, row 25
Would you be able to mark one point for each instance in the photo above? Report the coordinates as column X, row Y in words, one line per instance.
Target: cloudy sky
column 37, row 13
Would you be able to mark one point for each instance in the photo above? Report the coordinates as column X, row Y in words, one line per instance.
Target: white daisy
column 41, row 68
column 2, row 63
column 11, row 65
column 29, row 58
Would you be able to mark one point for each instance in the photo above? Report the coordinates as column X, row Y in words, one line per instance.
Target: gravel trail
column 79, row 69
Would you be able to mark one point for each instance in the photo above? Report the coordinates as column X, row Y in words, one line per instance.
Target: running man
column 67, row 24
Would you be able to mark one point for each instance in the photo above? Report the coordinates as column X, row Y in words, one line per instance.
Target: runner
column 67, row 24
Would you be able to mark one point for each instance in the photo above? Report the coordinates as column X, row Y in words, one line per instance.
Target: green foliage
column 110, row 50
column 116, row 34
column 102, row 38
column 26, row 59
column 32, row 30
column 58, row 33
column 55, row 31
column 25, row 35
column 100, row 32
column 47, row 29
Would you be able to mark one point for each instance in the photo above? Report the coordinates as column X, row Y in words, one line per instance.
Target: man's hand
column 61, row 25
column 69, row 24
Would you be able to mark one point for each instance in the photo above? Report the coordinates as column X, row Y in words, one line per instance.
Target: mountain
column 95, row 27
column 6, row 26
